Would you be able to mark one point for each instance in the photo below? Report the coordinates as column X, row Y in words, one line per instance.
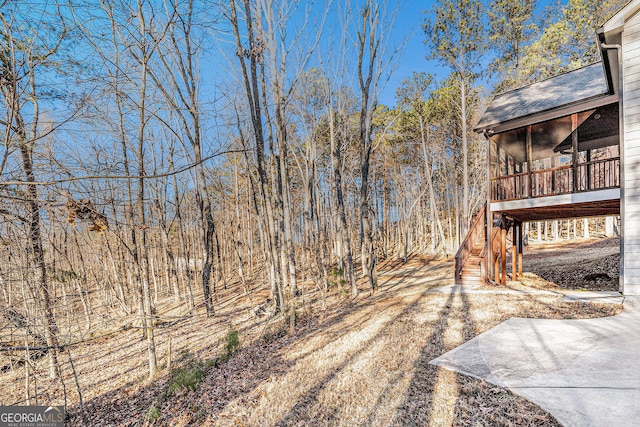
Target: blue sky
column 410, row 23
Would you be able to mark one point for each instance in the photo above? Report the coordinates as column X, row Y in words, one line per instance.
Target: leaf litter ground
column 360, row 362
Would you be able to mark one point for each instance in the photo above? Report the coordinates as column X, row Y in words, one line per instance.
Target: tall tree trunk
column 343, row 236
column 429, row 177
column 208, row 226
column 367, row 44
column 250, row 76
column 465, row 157
column 31, row 193
column 208, row 230
column 287, row 245
column 35, row 239
column 144, row 254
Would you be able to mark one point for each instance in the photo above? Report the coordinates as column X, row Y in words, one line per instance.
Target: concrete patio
column 584, row 372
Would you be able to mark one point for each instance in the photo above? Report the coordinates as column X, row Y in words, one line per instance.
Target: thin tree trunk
column 35, row 233
column 429, row 179
column 465, row 158
column 343, row 236
column 367, row 40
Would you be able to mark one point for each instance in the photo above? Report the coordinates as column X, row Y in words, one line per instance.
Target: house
column 565, row 147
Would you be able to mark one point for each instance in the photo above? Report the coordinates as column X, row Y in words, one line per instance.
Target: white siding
column 630, row 202
column 633, row 102
column 633, row 109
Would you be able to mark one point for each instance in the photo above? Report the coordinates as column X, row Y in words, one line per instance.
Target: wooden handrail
column 475, row 238
column 509, row 176
column 474, row 225
column 538, row 172
column 593, row 162
column 556, row 168
column 557, row 180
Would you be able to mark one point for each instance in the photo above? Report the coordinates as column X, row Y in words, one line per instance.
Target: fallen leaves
column 362, row 362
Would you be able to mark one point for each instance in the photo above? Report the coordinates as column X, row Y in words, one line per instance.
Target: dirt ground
column 359, row 362
column 591, row 264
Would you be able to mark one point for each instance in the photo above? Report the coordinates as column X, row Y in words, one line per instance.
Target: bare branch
column 89, row 177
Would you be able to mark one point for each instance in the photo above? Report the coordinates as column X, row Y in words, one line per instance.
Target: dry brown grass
column 362, row 362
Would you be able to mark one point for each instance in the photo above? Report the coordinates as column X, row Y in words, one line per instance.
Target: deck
column 569, row 191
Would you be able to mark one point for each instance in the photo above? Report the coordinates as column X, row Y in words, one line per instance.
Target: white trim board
column 563, row 199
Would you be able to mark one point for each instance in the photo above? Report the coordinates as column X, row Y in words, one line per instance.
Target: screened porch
column 576, row 153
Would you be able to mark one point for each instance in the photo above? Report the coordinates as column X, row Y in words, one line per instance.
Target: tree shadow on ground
column 307, row 411
column 434, row 396
column 437, row 396
column 236, row 378
column 123, row 407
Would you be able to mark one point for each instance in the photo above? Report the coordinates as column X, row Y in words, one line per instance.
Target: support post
column 529, row 161
column 488, row 260
column 554, row 184
column 503, row 252
column 588, row 170
column 520, row 247
column 514, row 252
column 574, row 150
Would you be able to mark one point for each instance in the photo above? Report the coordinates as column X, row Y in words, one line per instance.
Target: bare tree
column 24, row 58
column 177, row 78
column 374, row 61
column 457, row 36
column 264, row 47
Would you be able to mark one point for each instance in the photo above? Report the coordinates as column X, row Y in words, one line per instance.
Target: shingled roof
column 570, row 88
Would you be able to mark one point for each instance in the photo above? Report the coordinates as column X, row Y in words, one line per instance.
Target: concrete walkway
column 584, row 372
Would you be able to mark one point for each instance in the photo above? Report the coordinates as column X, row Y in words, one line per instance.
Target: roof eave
column 617, row 22
column 553, row 113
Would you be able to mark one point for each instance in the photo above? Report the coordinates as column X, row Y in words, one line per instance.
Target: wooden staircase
column 472, row 270
column 470, row 259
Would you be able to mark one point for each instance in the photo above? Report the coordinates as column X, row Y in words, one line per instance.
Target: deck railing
column 474, row 242
column 589, row 176
column 599, row 174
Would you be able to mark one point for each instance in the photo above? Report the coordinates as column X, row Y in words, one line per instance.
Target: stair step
column 471, row 270
column 476, row 265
